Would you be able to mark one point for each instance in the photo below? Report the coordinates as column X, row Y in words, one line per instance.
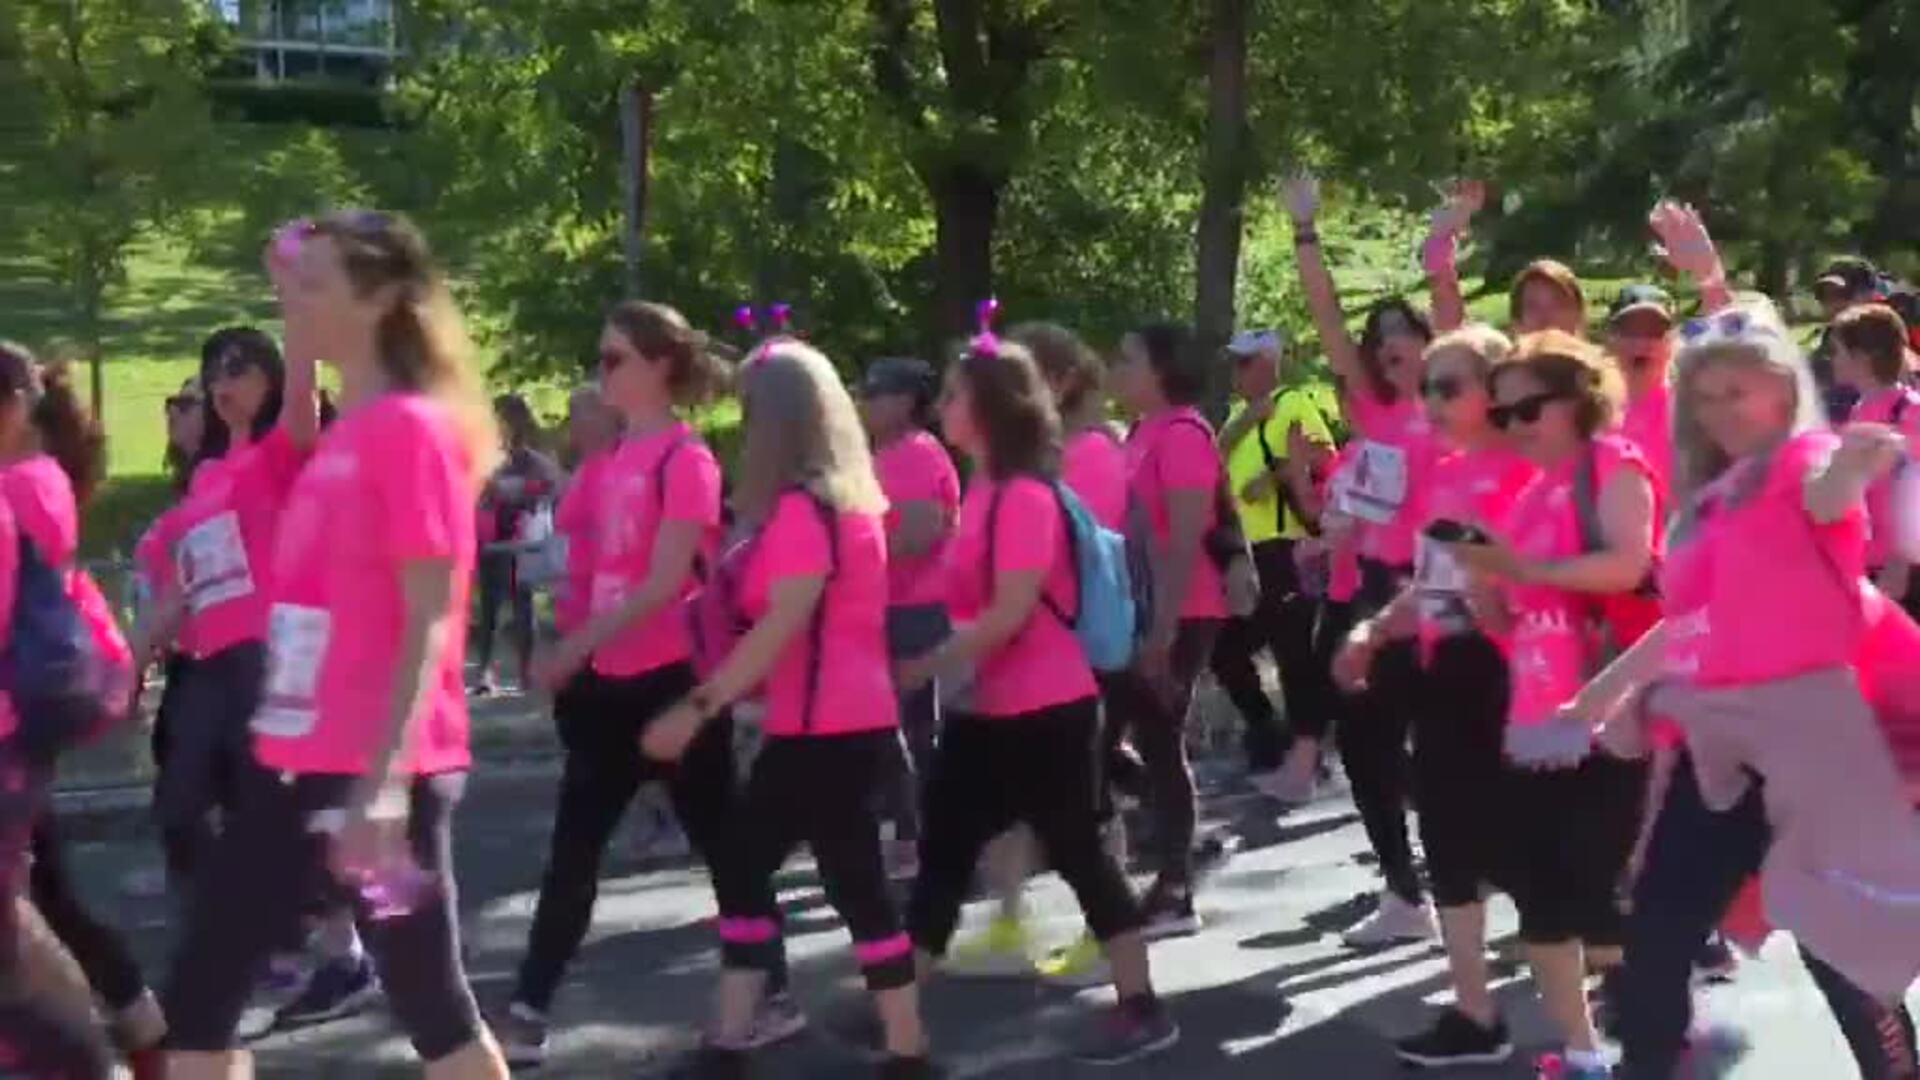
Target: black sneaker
column 338, row 989
column 1210, row 853
column 1167, row 912
column 1130, row 1031
column 1456, row 1039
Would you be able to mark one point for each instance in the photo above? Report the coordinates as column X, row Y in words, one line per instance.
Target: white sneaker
column 1394, row 922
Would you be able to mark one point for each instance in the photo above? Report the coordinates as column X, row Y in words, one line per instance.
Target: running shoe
column 1557, row 1067
column 1456, row 1039
column 1394, row 922
column 1130, row 1031
column 1167, row 912
column 1212, row 852
column 1288, row 788
column 286, row 977
column 1003, row 951
column 522, row 1034
column 1079, row 965
column 1716, row 963
column 339, row 988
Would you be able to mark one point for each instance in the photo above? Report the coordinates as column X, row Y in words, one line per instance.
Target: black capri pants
column 208, row 744
column 1041, row 769
column 601, row 720
column 270, row 860
column 820, row 790
column 1458, row 705
column 1568, row 833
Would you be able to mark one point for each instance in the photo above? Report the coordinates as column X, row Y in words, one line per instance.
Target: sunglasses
column 1732, row 325
column 1525, row 411
column 1441, row 387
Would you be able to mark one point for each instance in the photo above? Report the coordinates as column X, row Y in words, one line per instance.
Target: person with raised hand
column 1381, row 490
column 1438, row 254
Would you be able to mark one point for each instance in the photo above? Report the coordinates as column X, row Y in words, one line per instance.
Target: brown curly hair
column 1573, row 369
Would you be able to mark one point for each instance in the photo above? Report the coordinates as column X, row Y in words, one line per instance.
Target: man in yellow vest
column 1264, row 442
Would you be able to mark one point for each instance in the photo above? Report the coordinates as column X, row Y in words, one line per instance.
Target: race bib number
column 1549, row 659
column 1441, row 580
column 1378, row 487
column 296, row 647
column 212, row 562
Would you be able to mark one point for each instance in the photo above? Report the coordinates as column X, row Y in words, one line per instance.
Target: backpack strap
column 1073, row 548
column 701, row 571
column 1225, row 514
column 817, row 624
column 1586, row 502
column 1289, row 502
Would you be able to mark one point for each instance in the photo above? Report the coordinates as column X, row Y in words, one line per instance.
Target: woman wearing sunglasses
column 657, row 509
column 1790, row 772
column 1379, row 378
column 1575, row 545
column 1450, row 685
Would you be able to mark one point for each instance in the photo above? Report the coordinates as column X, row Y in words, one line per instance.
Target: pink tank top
column 1393, row 454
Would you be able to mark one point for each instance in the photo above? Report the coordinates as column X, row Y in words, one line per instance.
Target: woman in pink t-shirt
column 1768, row 496
column 1025, row 751
column 655, row 509
column 1570, row 559
column 1379, row 377
column 810, row 583
column 923, row 498
column 361, row 735
column 1176, row 495
column 1446, row 671
column 1870, row 356
column 217, row 540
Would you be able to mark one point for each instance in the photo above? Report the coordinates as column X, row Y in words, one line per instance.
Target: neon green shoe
column 1081, row 964
column 1003, row 951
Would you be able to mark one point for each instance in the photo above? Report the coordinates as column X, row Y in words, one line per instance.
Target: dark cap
column 1853, row 276
column 899, row 375
column 1636, row 298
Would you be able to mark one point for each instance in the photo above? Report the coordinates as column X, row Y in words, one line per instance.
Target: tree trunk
column 636, row 130
column 966, row 207
column 1223, row 195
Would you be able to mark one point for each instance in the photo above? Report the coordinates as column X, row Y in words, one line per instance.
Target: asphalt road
column 1264, row 991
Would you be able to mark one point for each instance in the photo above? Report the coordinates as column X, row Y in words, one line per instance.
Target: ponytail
column 69, row 433
column 66, row 431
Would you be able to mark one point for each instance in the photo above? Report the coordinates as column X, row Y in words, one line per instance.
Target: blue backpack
column 1107, row 622
column 51, row 667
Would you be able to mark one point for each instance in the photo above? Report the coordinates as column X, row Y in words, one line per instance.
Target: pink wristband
column 1437, row 254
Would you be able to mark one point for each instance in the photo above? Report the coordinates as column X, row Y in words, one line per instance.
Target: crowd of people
column 1622, row 623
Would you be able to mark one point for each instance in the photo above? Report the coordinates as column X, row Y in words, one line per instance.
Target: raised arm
column 1301, row 197
column 1689, row 249
column 1439, row 253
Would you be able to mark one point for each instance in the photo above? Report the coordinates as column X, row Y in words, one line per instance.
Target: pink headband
column 985, row 342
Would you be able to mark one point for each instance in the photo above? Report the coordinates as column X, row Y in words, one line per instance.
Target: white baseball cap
column 1248, row 343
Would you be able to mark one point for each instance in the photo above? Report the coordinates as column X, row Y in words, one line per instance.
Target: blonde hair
column 1698, row 461
column 420, row 343
column 1486, row 346
column 801, row 430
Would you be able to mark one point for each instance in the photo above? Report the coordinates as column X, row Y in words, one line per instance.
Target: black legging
column 1373, row 741
column 1282, row 624
column 1154, row 717
column 1696, row 862
column 601, row 720
column 500, row 585
column 102, row 954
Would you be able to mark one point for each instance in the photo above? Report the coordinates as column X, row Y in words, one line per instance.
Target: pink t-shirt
column 151, row 567
column 1343, row 555
column 1756, row 590
column 41, row 497
column 916, row 468
column 631, row 512
column 1042, row 664
column 9, row 575
column 1471, row 487
column 1647, row 424
column 576, row 521
column 1173, row 451
column 220, row 538
column 390, row 483
column 1093, row 465
column 852, row 677
column 1880, row 408
column 1552, row 646
column 1393, row 452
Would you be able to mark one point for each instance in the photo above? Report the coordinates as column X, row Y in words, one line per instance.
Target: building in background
column 344, row 41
